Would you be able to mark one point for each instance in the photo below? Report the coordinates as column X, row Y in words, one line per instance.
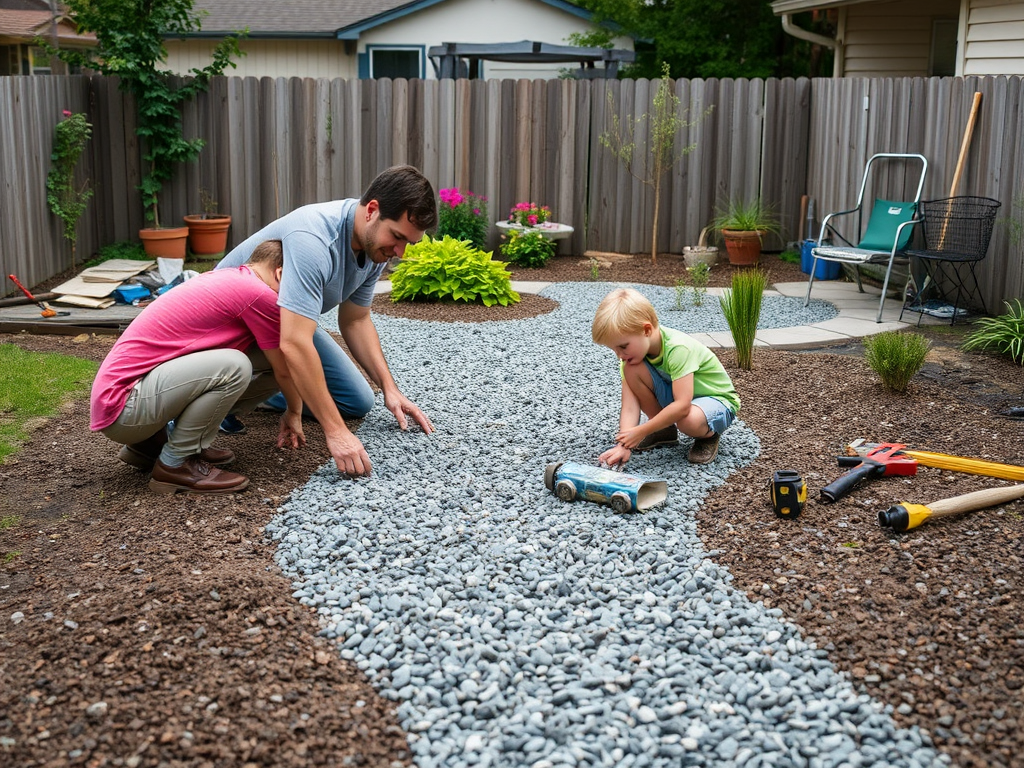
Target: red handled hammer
column 882, row 461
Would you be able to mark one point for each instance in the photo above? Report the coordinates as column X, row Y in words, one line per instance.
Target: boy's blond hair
column 623, row 311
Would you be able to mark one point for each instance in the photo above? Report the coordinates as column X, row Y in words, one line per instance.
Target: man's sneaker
column 667, row 436
column 195, row 476
column 232, row 425
column 144, row 455
column 704, row 450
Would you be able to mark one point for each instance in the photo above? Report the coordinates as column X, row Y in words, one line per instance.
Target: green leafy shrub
column 896, row 357
column 528, row 248
column 450, row 269
column 462, row 215
column 1004, row 334
column 125, row 249
column 700, row 275
column 741, row 306
column 680, row 292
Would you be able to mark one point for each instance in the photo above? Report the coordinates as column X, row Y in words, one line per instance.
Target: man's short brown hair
column 403, row 189
column 268, row 252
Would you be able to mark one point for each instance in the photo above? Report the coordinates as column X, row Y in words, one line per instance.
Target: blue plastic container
column 826, row 270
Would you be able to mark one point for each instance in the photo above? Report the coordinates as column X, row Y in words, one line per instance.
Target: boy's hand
column 630, row 438
column 617, row 455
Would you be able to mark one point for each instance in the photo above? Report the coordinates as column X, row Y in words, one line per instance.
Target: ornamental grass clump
column 741, row 306
column 528, row 248
column 451, row 270
column 1004, row 334
column 462, row 215
column 896, row 357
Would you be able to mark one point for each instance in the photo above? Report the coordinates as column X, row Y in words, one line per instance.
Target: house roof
column 341, row 19
column 780, row 7
column 27, row 25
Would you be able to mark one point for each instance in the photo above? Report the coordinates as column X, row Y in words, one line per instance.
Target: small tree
column 649, row 161
column 130, row 45
column 66, row 200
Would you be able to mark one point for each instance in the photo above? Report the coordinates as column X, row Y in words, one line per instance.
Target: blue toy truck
column 570, row 480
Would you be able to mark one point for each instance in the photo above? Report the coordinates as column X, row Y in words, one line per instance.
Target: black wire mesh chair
column 957, row 231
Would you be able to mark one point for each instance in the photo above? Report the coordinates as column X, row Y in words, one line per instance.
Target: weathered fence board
column 274, row 144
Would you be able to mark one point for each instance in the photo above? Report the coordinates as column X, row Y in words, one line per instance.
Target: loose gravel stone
column 538, row 632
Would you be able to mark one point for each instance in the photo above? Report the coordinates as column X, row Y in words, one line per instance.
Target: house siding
column 453, row 21
column 995, row 38
column 892, row 39
column 486, row 21
column 269, row 58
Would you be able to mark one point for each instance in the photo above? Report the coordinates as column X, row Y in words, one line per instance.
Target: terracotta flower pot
column 208, row 234
column 166, row 242
column 743, row 247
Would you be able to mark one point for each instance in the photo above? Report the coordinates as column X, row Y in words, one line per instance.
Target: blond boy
column 673, row 379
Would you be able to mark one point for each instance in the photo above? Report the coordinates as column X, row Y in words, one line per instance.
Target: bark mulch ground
column 144, row 630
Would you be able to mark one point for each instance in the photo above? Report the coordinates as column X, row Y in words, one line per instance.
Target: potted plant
column 208, row 231
column 129, row 45
column 701, row 253
column 743, row 225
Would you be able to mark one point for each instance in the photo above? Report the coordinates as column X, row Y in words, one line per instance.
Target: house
column 22, row 22
column 378, row 38
column 917, row 38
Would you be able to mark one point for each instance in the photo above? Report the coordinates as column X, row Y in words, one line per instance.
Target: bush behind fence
column 275, row 144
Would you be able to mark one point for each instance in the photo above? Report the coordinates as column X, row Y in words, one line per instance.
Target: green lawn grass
column 33, row 386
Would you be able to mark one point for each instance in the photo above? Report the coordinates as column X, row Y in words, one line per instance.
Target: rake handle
column 969, row 502
column 964, row 146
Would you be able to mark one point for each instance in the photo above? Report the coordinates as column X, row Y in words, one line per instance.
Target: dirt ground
column 144, row 630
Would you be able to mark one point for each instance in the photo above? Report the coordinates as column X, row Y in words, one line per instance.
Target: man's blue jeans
column 347, row 385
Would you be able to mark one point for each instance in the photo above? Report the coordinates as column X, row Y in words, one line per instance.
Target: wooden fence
column 275, row 144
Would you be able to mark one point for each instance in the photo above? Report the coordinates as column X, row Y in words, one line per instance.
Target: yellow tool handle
column 969, row 502
column 970, row 466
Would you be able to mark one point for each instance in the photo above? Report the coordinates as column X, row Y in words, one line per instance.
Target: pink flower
column 476, row 211
column 532, row 218
column 67, row 113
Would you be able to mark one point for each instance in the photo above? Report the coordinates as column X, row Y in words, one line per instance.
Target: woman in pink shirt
column 207, row 348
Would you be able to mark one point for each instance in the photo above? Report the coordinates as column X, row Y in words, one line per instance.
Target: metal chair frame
column 857, row 256
column 957, row 231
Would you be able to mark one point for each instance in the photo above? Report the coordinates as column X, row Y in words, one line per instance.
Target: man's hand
column 615, row 456
column 401, row 406
column 349, row 455
column 290, row 433
column 630, row 438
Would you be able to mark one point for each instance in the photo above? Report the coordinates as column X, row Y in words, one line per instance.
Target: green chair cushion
column 886, row 218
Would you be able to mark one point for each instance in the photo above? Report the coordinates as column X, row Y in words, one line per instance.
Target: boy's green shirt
column 682, row 355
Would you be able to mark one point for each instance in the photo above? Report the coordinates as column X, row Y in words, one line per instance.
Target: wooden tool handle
column 969, row 502
column 965, row 144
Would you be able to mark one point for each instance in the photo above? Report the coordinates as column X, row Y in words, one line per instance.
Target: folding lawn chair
column 957, row 231
column 890, row 225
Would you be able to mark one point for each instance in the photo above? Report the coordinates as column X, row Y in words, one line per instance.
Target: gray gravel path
column 517, row 630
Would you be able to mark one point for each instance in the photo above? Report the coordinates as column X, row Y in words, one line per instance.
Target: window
column 10, row 60
column 942, row 58
column 396, row 62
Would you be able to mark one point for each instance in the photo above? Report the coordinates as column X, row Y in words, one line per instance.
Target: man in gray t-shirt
column 333, row 254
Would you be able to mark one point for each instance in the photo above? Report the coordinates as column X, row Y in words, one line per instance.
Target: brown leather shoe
column 144, row 455
column 195, row 476
column 667, row 436
column 704, row 450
